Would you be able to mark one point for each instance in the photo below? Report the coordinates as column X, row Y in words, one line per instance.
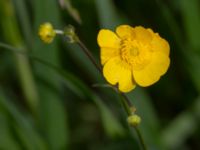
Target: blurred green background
column 47, row 101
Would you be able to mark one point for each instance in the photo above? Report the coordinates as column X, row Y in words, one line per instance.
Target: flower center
column 134, row 51
column 136, row 54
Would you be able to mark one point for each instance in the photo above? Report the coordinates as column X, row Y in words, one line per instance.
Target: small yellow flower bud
column 47, row 32
column 134, row 120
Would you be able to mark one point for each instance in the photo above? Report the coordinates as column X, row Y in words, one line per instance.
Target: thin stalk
column 141, row 139
column 127, row 106
column 126, row 103
column 132, row 108
column 89, row 55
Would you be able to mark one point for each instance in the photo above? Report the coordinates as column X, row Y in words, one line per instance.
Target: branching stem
column 126, row 103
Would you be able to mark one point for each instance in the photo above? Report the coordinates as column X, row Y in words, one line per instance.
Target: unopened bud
column 69, row 32
column 134, row 120
column 46, row 32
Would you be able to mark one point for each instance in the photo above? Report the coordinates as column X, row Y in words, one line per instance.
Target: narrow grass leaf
column 53, row 115
column 26, row 133
column 190, row 12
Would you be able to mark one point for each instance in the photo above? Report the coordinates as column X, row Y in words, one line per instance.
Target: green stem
column 89, row 55
column 141, row 139
column 128, row 106
column 126, row 103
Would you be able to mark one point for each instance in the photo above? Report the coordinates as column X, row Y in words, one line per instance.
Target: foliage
column 48, row 100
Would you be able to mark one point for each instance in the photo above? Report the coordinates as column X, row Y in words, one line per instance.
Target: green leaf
column 12, row 36
column 26, row 133
column 179, row 130
column 182, row 127
column 111, row 125
column 7, row 140
column 190, row 11
column 107, row 14
column 52, row 111
column 22, row 12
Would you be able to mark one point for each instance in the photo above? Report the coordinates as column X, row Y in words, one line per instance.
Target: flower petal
column 152, row 72
column 143, row 34
column 125, row 31
column 160, row 45
column 117, row 71
column 108, row 53
column 107, row 38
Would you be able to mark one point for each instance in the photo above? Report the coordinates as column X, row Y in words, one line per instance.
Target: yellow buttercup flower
column 133, row 56
column 47, row 32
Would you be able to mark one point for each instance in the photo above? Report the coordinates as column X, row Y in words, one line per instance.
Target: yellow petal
column 108, row 53
column 143, row 34
column 125, row 31
column 116, row 71
column 152, row 72
column 107, row 38
column 160, row 45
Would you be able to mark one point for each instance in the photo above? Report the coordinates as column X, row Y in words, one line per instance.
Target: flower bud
column 46, row 32
column 134, row 120
column 69, row 32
